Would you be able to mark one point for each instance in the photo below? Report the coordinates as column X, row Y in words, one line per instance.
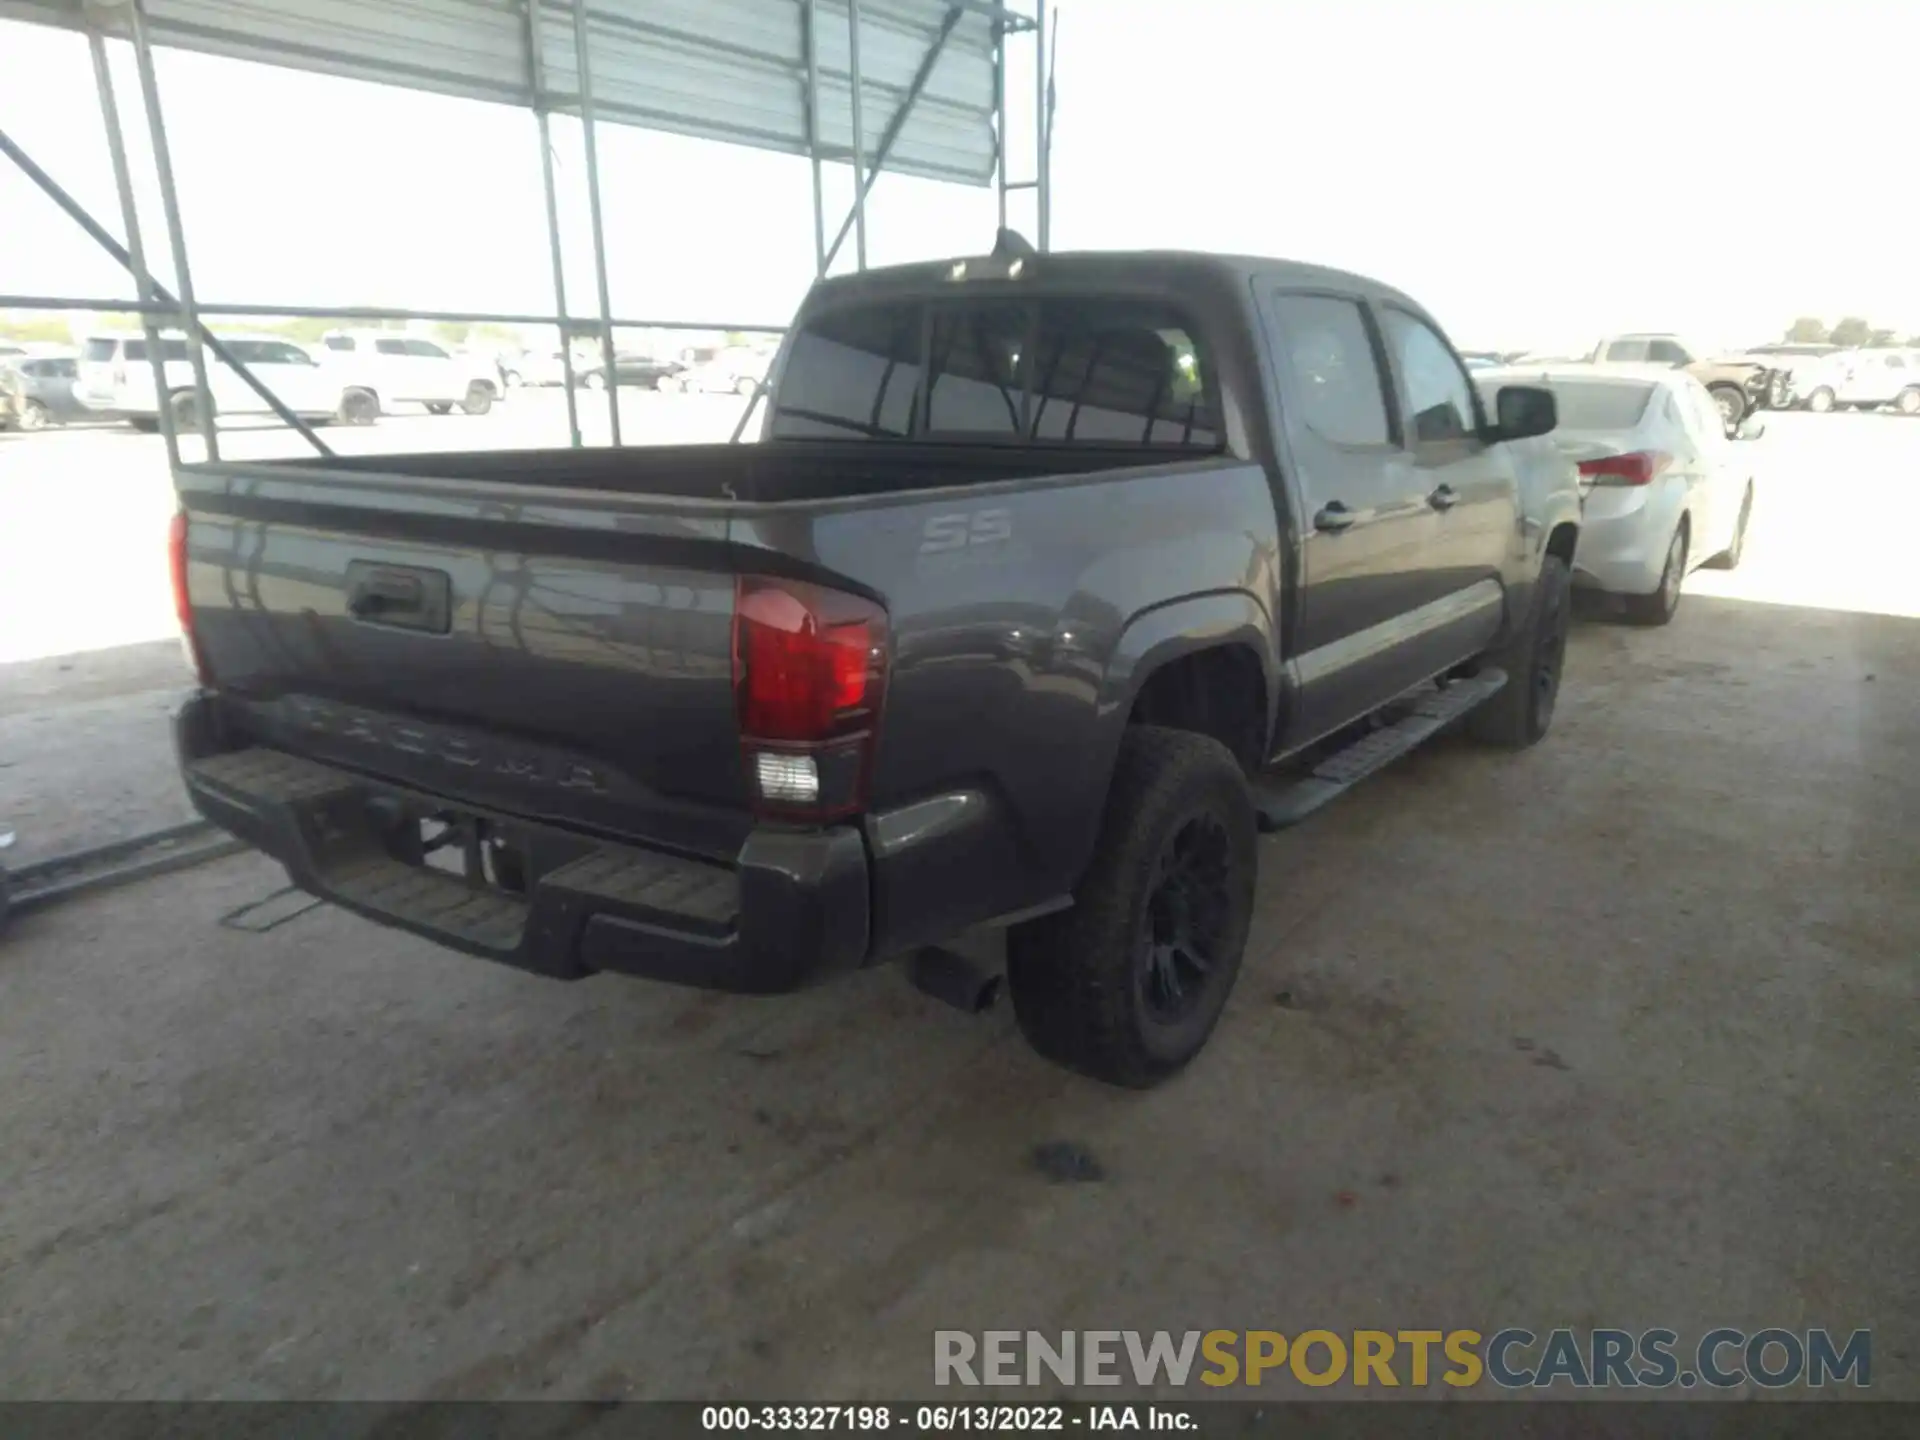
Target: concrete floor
column 1621, row 1032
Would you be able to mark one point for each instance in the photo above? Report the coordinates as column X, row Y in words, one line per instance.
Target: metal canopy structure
column 913, row 86
column 730, row 70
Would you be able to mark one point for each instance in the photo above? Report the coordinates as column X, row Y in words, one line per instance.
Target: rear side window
column 1327, row 350
column 169, row 349
column 390, row 347
column 1090, row 371
column 340, row 342
column 1597, row 405
column 1665, row 352
column 1627, row 350
column 99, row 351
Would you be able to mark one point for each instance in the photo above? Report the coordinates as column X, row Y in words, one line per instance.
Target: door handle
column 1333, row 516
column 1444, row 497
column 386, row 595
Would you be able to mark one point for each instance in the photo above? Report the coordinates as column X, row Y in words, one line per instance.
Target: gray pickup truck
column 1051, row 580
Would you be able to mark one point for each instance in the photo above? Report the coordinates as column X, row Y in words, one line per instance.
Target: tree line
column 1851, row 332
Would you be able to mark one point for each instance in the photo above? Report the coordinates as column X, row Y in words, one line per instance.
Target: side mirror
column 1751, row 428
column 1524, row 411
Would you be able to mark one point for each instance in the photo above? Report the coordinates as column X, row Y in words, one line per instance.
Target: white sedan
column 1666, row 488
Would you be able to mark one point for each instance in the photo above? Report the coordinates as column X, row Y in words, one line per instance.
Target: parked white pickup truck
column 116, row 379
column 406, row 369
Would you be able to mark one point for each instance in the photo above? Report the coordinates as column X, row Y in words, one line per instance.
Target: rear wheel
column 1658, row 608
column 186, row 410
column 479, row 398
column 1729, row 558
column 33, row 416
column 359, row 407
column 1733, row 405
column 1908, row 402
column 1128, row 984
column 1821, row 400
column 595, row 380
column 744, row 386
column 1518, row 716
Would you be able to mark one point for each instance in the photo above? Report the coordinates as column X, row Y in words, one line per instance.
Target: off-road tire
column 1079, row 978
column 1908, row 401
column 1660, row 607
column 479, row 398
column 1729, row 558
column 1535, row 661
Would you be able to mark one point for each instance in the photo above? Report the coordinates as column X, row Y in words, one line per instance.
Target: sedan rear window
column 1593, row 404
column 1093, row 371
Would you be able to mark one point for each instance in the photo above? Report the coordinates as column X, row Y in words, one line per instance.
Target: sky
column 1537, row 172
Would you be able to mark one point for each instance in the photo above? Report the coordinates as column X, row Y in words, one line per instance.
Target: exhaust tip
column 954, row 979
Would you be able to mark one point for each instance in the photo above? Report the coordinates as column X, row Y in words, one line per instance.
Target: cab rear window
column 1093, row 371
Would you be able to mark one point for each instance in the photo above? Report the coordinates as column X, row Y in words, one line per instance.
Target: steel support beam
column 810, row 56
column 162, row 304
column 176, row 232
column 537, row 79
column 582, row 45
column 167, row 307
column 856, row 218
column 859, row 138
column 1000, row 118
column 136, row 252
column 1042, row 119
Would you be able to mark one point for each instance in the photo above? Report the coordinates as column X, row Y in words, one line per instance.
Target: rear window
column 99, row 351
column 1092, row 371
column 1588, row 405
column 169, row 349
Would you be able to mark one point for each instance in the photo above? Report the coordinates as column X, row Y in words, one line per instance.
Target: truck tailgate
column 563, row 655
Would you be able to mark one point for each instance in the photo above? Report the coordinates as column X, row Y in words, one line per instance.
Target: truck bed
column 772, row 471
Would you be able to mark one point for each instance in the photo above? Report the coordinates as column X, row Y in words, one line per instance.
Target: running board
column 1280, row 803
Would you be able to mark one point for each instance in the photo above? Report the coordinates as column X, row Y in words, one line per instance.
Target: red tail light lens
column 809, row 675
column 1638, row 467
column 182, row 601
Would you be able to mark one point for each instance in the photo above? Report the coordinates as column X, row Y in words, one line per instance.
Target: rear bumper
column 792, row 909
column 1625, row 554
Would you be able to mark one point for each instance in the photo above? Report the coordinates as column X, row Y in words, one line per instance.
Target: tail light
column 1638, row 467
column 182, row 601
column 809, row 676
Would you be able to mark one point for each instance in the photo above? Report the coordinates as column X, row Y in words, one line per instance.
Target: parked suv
column 37, row 391
column 116, row 379
column 406, row 369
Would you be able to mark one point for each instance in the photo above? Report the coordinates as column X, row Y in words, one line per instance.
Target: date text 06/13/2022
column 920, row 1419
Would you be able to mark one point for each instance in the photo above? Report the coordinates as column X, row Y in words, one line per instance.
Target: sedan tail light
column 809, row 676
column 1637, row 467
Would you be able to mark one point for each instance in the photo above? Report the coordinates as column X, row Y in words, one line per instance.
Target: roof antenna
column 1011, row 245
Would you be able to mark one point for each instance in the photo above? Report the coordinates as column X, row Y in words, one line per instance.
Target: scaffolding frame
column 157, row 307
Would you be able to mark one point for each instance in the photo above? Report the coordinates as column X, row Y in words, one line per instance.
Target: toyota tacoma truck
column 1051, row 579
